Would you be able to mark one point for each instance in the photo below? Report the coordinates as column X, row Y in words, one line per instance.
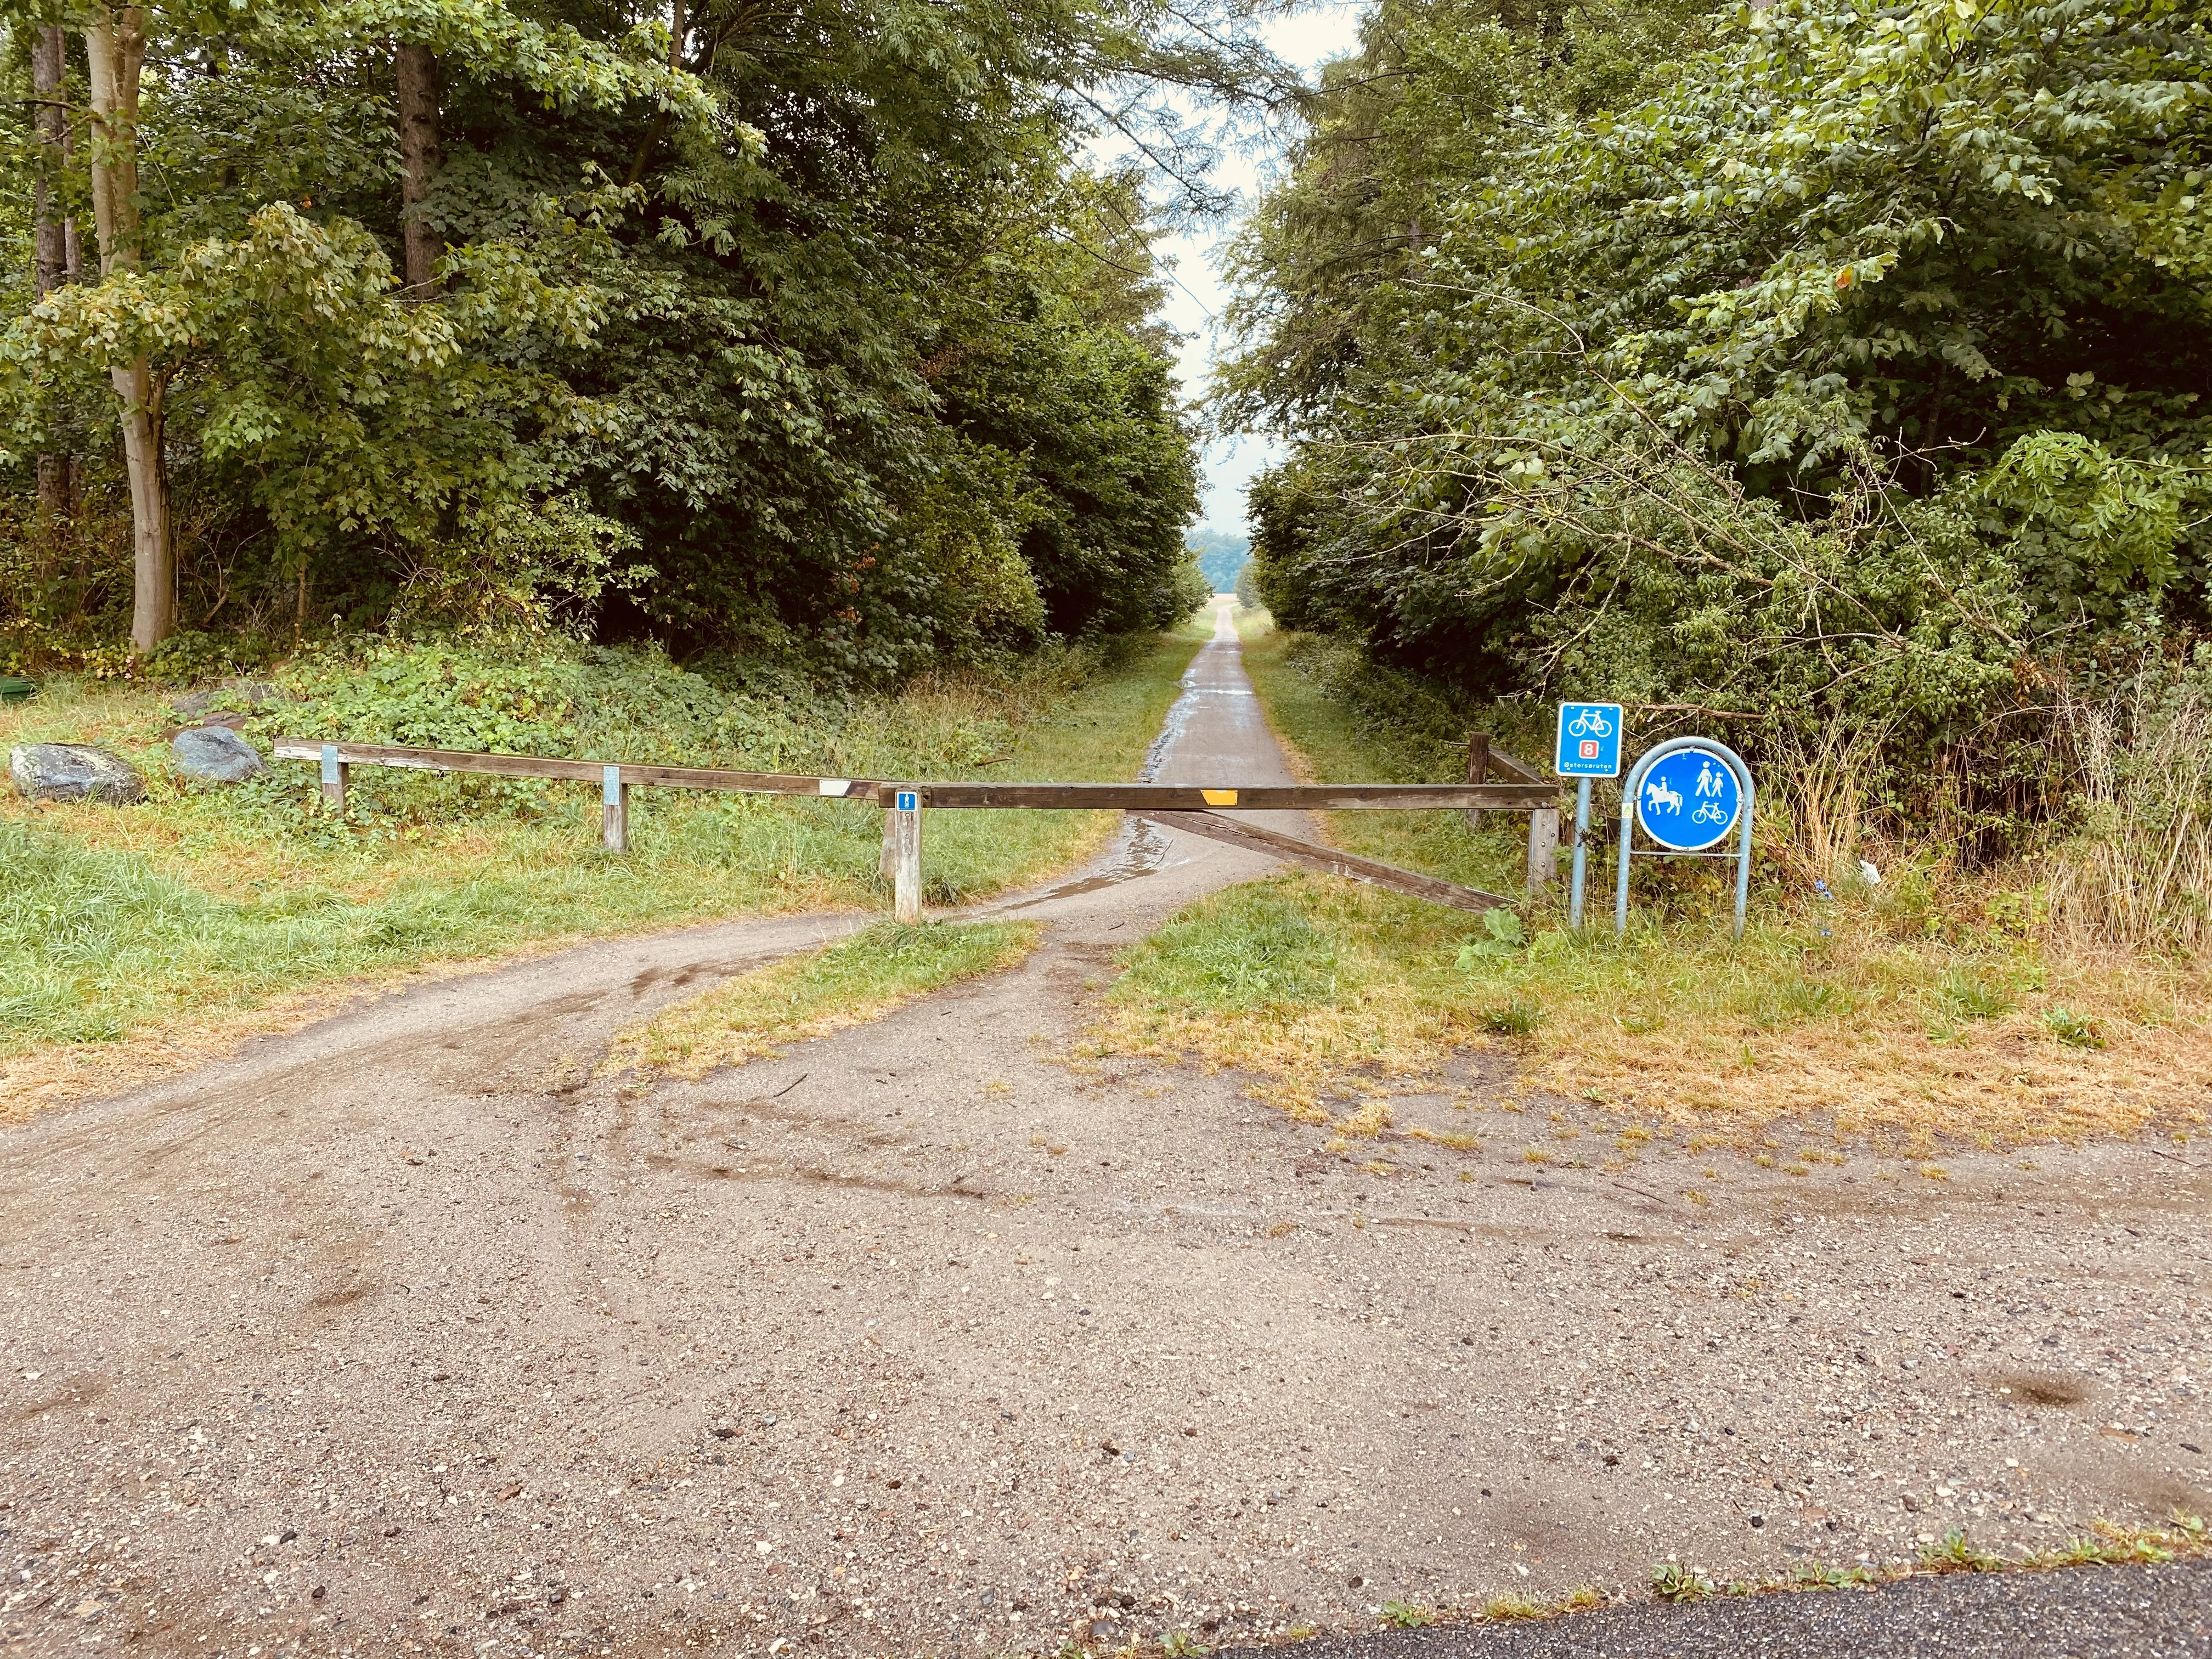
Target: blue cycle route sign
column 909, row 800
column 1590, row 740
column 1688, row 800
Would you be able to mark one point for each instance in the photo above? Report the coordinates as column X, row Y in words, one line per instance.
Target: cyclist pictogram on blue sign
column 1688, row 800
column 1590, row 740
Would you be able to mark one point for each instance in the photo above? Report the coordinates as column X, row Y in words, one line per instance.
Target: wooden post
column 336, row 773
column 614, row 810
column 1543, row 847
column 906, row 823
column 1478, row 769
column 887, row 860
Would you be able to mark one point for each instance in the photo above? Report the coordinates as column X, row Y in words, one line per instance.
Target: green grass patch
column 853, row 982
column 165, row 920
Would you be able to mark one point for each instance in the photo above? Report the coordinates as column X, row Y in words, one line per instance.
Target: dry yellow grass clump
column 1316, row 986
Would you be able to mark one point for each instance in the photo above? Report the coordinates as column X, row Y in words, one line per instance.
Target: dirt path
column 933, row 1337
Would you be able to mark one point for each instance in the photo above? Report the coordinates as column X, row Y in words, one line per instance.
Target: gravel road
column 392, row 1337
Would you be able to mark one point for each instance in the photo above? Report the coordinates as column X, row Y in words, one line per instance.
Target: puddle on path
column 1139, row 848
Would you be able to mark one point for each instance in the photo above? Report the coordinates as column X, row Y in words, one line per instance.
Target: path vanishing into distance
column 392, row 1336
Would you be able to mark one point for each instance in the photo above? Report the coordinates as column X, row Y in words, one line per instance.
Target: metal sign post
column 1687, row 793
column 1589, row 747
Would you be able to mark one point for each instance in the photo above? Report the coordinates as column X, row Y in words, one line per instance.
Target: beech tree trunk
column 115, row 48
column 55, row 246
column 419, row 159
column 51, row 122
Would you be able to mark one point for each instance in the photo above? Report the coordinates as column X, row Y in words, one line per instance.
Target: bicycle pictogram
column 1709, row 812
column 1589, row 723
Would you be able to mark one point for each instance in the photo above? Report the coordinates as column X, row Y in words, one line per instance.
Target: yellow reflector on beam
column 1219, row 797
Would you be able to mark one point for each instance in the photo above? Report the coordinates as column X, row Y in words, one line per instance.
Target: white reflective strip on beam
column 834, row 786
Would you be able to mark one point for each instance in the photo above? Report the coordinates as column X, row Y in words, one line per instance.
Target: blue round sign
column 1688, row 800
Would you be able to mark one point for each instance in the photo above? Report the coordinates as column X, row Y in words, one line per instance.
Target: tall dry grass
column 2138, row 871
column 1812, row 820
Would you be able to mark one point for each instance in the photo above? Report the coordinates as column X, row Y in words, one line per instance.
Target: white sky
column 1321, row 30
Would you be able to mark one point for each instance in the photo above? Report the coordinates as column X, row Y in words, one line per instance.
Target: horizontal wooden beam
column 1237, row 832
column 537, row 766
column 1146, row 798
column 1096, row 797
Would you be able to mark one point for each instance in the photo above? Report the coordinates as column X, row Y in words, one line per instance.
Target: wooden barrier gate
column 1190, row 808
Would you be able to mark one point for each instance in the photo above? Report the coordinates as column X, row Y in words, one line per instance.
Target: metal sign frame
column 1633, row 787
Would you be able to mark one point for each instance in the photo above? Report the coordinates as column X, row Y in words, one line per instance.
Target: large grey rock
column 73, row 771
column 216, row 753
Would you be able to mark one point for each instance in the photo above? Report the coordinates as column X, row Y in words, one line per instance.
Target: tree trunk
column 153, row 566
column 419, row 158
column 55, row 266
column 52, row 124
column 114, row 48
column 658, row 127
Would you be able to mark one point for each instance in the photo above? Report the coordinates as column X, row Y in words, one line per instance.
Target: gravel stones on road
column 935, row 1337
column 73, row 771
column 409, row 1334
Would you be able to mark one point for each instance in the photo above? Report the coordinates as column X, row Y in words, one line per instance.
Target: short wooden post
column 1543, row 848
column 614, row 809
column 887, row 860
column 335, row 774
column 1478, row 771
column 906, row 824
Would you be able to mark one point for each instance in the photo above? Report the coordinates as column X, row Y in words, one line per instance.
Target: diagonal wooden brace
column 1235, row 832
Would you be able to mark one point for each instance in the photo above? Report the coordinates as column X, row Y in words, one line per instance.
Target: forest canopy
column 1828, row 361
column 805, row 331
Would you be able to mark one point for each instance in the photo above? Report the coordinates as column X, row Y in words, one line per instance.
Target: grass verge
column 855, row 981
column 138, row 941
column 1878, row 1011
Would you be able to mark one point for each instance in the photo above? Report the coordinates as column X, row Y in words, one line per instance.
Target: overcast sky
column 1320, row 31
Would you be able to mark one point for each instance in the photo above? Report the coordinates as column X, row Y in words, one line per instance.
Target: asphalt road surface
column 401, row 1334
column 2106, row 1613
